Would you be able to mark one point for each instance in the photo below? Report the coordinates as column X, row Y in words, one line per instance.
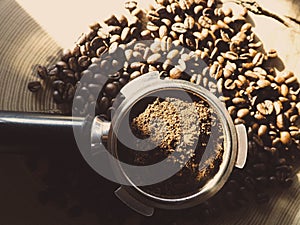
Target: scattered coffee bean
column 266, row 107
column 42, row 72
column 175, row 73
column 285, row 137
column 111, row 89
column 34, row 86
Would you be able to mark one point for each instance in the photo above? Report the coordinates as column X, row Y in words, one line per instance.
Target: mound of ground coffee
column 181, row 132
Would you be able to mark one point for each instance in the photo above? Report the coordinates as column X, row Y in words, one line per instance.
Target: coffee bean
column 131, row 5
column 272, row 54
column 232, row 110
column 104, row 104
column 263, row 129
column 125, row 34
column 163, row 31
column 229, row 84
column 279, row 79
column 113, row 48
column 101, row 50
column 238, row 101
column 91, row 35
column 57, row 97
column 291, row 80
column 285, row 137
column 58, row 85
column 230, row 56
column 282, row 121
column 243, row 113
column 189, row 22
column 154, row 58
column 135, row 74
column 179, row 28
column 175, row 73
column 83, row 61
column 96, row 43
column 95, row 26
column 79, row 101
column 34, row 86
column 42, row 72
column 111, row 89
column 284, row 90
column 263, row 83
column 278, row 107
column 266, row 107
column 73, row 64
column 152, row 27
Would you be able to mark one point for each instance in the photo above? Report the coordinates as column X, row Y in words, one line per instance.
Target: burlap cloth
column 24, row 43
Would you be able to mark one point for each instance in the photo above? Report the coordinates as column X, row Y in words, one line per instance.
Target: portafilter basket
column 135, row 97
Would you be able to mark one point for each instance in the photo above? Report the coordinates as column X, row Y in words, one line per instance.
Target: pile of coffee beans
column 209, row 45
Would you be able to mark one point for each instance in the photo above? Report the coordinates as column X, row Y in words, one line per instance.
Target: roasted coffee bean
column 163, row 31
column 73, row 64
column 95, row 26
column 152, row 27
column 111, row 89
column 229, row 84
column 278, row 107
column 285, row 137
column 131, row 5
column 66, row 54
column 34, row 86
column 189, row 22
column 284, row 90
column 282, row 121
column 175, row 73
column 79, row 101
column 135, row 74
column 238, row 101
column 57, row 97
column 154, row 58
column 279, row 79
column 59, row 85
column 125, row 34
column 83, row 61
column 263, row 129
column 96, row 43
column 179, row 28
column 263, row 83
column 272, row 54
column 291, row 80
column 243, row 113
column 266, row 107
column 104, row 104
column 42, row 72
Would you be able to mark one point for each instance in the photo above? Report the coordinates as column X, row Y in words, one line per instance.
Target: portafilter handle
column 24, row 132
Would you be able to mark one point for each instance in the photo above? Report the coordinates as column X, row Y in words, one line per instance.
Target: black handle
column 22, row 132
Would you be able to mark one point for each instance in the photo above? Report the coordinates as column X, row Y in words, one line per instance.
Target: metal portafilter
column 101, row 142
